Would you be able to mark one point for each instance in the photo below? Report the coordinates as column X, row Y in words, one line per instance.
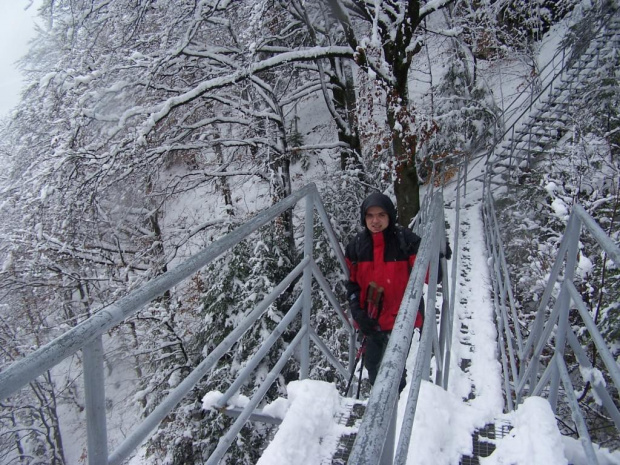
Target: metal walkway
column 372, row 438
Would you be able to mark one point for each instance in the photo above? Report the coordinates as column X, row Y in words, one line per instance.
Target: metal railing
column 375, row 439
column 523, row 358
column 87, row 337
column 525, row 373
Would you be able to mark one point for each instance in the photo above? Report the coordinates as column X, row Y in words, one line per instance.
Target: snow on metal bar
column 569, row 390
column 330, row 295
column 263, row 350
column 601, row 237
column 226, row 440
column 159, row 413
column 87, row 335
column 598, row 384
column 603, row 350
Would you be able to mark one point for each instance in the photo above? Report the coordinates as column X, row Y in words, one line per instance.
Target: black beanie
column 377, row 199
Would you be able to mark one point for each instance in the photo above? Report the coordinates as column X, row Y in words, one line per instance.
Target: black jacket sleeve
column 352, row 287
column 412, row 241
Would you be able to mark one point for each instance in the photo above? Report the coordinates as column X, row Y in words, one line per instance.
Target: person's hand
column 366, row 324
column 355, row 307
column 448, row 254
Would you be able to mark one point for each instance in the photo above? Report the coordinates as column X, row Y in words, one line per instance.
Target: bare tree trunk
column 18, row 441
column 222, row 182
column 398, row 53
column 404, row 143
column 48, row 415
column 345, row 103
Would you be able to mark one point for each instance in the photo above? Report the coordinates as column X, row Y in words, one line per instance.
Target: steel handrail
column 550, row 326
column 87, row 336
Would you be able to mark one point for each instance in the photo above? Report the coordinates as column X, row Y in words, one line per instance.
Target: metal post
column 464, row 181
column 512, row 146
column 431, row 312
column 94, row 393
column 445, row 335
column 414, row 393
column 304, row 368
column 387, row 456
column 582, row 428
column 573, row 229
column 453, row 274
column 351, row 353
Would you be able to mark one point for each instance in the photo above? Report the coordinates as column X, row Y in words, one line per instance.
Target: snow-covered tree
column 130, row 109
column 385, row 36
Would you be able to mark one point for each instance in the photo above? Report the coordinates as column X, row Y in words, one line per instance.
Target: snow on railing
column 87, row 336
column 525, row 373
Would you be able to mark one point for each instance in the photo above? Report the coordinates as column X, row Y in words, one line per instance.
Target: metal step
column 556, row 119
column 352, row 417
column 538, row 138
column 483, row 441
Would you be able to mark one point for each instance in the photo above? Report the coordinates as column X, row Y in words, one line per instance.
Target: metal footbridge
column 372, row 438
column 533, row 359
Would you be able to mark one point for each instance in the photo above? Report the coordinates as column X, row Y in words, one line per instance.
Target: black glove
column 448, row 253
column 354, row 306
column 367, row 325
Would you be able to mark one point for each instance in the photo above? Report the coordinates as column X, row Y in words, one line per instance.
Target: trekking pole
column 346, row 391
column 374, row 297
column 359, row 382
column 357, row 359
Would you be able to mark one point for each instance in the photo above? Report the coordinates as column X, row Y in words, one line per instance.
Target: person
column 381, row 256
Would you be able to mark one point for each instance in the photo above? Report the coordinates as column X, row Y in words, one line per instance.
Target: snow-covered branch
column 223, row 81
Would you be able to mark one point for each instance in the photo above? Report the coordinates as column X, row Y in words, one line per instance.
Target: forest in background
column 148, row 129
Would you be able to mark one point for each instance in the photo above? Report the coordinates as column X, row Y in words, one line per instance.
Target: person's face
column 377, row 219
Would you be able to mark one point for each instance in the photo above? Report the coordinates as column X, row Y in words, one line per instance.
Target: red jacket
column 386, row 259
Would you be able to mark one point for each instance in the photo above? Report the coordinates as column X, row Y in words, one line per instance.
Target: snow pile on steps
column 310, row 430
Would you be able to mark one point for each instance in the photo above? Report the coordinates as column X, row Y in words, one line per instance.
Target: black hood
column 377, row 199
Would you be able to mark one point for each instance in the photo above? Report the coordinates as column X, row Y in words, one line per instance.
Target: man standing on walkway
column 380, row 259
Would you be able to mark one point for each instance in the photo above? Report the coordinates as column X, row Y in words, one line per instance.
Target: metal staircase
column 533, row 133
column 549, row 116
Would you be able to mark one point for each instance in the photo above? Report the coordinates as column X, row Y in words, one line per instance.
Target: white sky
column 16, row 29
